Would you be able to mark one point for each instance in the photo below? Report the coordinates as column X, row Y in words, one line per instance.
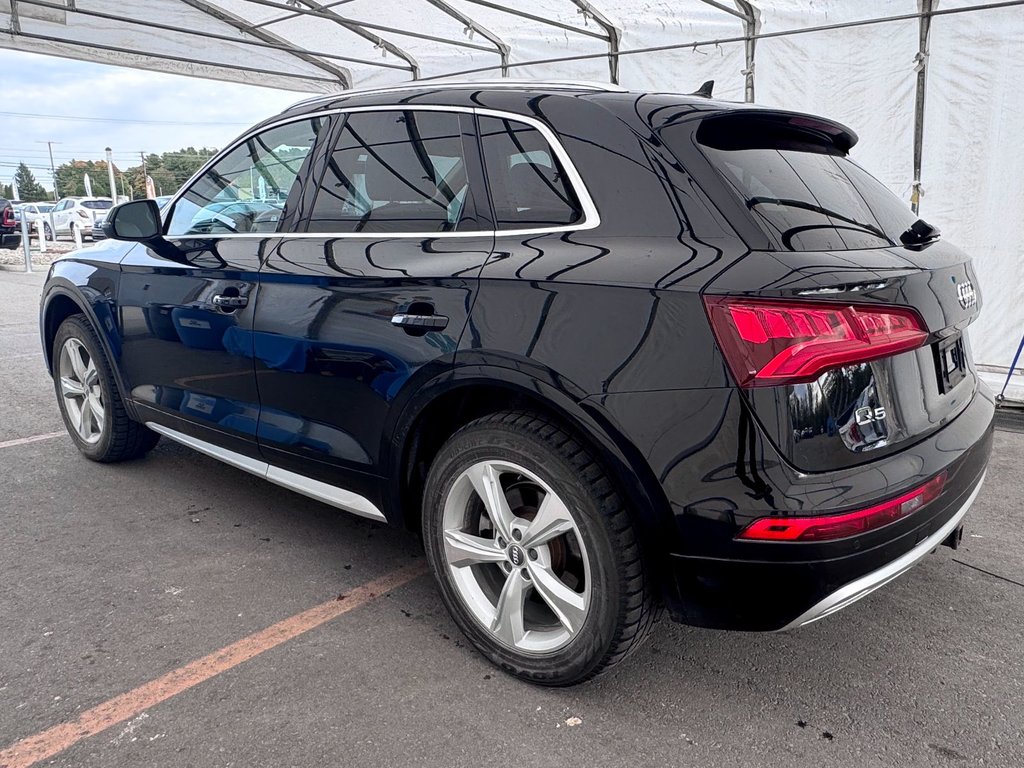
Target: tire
column 89, row 401
column 601, row 606
column 48, row 231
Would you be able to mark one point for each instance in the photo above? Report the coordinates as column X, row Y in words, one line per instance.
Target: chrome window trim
column 591, row 217
column 293, row 481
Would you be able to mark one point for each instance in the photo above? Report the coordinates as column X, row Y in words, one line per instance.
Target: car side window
column 247, row 189
column 529, row 187
column 394, row 171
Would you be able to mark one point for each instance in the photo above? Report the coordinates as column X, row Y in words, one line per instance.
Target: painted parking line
column 126, row 706
column 31, row 439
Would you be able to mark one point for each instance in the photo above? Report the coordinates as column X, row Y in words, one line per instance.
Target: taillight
column 829, row 527
column 83, row 214
column 8, row 217
column 767, row 342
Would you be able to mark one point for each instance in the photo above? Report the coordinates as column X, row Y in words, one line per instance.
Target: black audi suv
column 609, row 352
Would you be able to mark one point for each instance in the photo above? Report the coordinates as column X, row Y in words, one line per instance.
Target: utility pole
column 145, row 178
column 53, row 169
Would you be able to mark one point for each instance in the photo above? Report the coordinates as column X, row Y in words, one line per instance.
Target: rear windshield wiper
column 919, row 233
column 871, row 229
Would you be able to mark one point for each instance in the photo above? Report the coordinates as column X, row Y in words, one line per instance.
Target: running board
column 293, row 481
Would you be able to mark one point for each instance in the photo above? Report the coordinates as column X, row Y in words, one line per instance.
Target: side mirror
column 136, row 221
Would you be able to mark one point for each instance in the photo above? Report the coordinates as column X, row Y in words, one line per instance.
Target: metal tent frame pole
column 927, row 8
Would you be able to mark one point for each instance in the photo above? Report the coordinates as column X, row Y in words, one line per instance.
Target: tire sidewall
column 492, row 442
column 75, row 327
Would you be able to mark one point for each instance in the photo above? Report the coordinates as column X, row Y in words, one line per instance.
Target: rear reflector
column 828, row 527
column 767, row 343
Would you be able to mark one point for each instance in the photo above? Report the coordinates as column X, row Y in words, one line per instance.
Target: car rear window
column 97, row 205
column 801, row 188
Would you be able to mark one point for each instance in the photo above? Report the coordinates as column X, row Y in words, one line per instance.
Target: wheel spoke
column 98, row 412
column 85, row 419
column 71, row 388
column 568, row 606
column 91, row 374
column 77, row 363
column 508, row 622
column 552, row 520
column 488, row 487
column 463, row 549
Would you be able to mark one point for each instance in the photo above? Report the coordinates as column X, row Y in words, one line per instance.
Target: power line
column 112, row 119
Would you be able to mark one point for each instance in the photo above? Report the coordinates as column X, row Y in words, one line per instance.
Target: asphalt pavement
column 116, row 576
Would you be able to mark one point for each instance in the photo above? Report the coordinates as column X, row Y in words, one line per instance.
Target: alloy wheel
column 81, row 391
column 516, row 557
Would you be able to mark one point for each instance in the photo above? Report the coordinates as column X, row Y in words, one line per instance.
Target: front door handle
column 426, row 322
column 230, row 302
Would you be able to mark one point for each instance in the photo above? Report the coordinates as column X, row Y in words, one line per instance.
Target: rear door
column 371, row 300
column 186, row 309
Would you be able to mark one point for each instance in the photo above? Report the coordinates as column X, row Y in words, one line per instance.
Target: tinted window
column 97, row 205
column 395, row 172
column 528, row 186
column 246, row 190
column 803, row 192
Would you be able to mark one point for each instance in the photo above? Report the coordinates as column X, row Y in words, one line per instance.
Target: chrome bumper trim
column 865, row 585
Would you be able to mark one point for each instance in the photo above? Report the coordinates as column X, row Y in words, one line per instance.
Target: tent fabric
column 865, row 76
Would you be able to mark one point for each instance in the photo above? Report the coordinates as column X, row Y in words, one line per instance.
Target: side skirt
column 329, row 494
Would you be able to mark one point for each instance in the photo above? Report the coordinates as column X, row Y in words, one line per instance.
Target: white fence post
column 76, row 233
column 41, row 233
column 26, row 242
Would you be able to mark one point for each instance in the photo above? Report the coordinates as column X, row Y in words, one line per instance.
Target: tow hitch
column 953, row 540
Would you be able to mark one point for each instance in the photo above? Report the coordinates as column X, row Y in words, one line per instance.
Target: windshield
column 97, row 205
column 802, row 190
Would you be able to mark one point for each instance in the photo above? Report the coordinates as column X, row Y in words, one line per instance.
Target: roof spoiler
column 826, row 131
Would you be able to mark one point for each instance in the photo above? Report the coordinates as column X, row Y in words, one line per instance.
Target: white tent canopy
column 931, row 86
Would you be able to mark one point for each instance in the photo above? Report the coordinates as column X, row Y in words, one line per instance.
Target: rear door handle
column 427, row 322
column 230, row 302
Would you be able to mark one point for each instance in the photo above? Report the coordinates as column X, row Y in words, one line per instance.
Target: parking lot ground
column 114, row 576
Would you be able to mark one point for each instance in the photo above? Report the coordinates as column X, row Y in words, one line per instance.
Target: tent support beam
column 262, row 43
column 538, row 19
column 927, row 7
column 500, row 45
column 169, row 57
column 589, row 10
column 344, row 76
column 323, row 12
column 751, row 27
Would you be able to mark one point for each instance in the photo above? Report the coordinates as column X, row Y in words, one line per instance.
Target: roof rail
column 563, row 85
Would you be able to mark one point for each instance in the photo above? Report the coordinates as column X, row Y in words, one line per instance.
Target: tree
column 6, row 191
column 28, row 188
column 70, row 178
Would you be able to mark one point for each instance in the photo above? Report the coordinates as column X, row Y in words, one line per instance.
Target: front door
column 371, row 301
column 187, row 307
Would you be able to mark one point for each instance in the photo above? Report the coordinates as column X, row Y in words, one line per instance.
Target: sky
column 93, row 106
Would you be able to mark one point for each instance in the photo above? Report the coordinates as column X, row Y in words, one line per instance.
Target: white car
column 79, row 213
column 33, row 212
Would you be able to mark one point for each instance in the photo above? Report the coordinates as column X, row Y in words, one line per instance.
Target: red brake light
column 767, row 342
column 8, row 217
column 828, row 527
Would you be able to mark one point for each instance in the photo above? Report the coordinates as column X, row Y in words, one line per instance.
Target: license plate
column 950, row 363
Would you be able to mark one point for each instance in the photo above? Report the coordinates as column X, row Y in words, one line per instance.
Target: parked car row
column 86, row 214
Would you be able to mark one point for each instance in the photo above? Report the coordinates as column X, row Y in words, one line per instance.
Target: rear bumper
column 865, row 585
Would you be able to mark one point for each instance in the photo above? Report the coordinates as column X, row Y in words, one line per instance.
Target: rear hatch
column 846, row 333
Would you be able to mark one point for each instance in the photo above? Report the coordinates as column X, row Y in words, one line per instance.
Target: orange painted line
column 48, row 743
column 32, row 439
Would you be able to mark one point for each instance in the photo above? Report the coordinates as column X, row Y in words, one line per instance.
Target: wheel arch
column 444, row 405
column 61, row 300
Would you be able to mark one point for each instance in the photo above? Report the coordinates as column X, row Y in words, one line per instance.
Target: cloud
column 203, row 112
